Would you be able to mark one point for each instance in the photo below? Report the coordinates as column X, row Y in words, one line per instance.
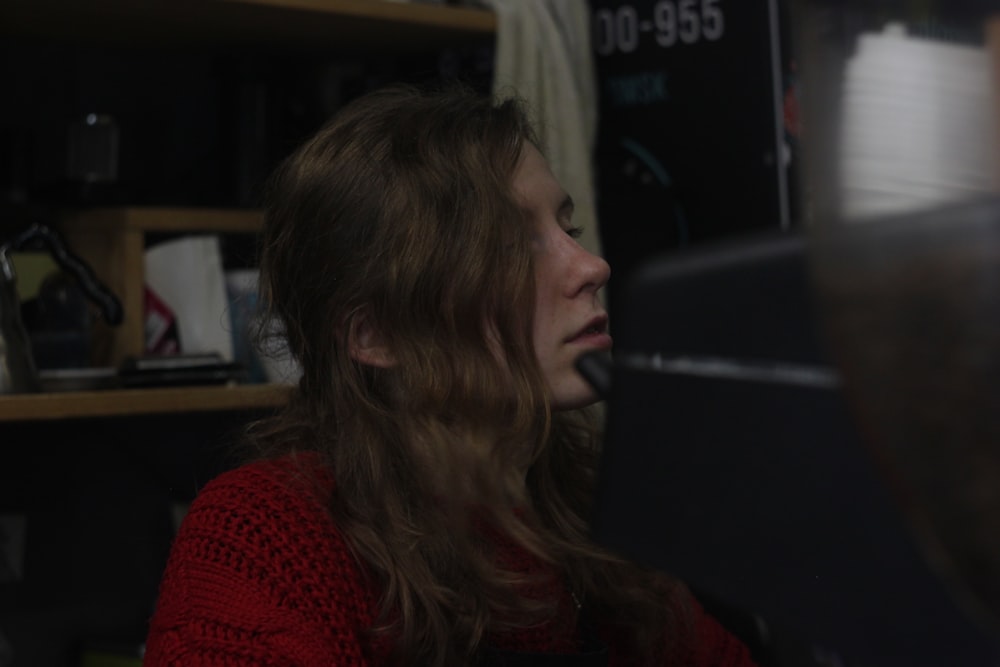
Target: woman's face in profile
column 570, row 319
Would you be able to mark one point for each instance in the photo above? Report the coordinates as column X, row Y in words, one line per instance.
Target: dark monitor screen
column 732, row 462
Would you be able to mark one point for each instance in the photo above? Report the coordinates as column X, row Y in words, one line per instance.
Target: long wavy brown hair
column 398, row 215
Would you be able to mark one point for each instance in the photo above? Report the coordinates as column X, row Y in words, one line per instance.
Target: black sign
column 697, row 122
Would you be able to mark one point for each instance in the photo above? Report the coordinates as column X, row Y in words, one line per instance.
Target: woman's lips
column 594, row 334
column 596, row 339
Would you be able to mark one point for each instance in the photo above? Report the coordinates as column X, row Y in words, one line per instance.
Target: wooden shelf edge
column 366, row 25
column 457, row 17
column 126, row 402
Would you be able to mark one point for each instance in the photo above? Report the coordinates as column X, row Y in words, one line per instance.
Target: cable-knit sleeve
column 712, row 645
column 258, row 575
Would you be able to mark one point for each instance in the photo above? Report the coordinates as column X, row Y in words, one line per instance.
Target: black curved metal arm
column 595, row 367
column 40, row 233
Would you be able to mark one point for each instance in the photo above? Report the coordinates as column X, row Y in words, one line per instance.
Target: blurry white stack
column 919, row 127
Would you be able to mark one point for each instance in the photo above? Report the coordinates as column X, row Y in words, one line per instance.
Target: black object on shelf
column 180, row 370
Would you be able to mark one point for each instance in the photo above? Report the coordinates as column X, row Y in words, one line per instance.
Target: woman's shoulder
column 292, row 473
column 259, row 568
column 285, row 492
column 265, row 527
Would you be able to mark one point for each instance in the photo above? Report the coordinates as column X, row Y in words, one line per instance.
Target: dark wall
column 97, row 500
column 197, row 126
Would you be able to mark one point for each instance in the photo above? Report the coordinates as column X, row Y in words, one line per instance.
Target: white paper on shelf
column 187, row 274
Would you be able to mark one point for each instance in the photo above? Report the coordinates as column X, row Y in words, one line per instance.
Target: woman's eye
column 574, row 232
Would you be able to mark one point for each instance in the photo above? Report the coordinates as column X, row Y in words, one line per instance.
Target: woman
column 423, row 498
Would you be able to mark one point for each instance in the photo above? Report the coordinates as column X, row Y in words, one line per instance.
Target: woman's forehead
column 535, row 186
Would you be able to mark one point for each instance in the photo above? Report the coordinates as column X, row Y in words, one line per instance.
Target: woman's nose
column 592, row 271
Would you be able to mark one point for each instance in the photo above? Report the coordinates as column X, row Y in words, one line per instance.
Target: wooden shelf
column 343, row 25
column 113, row 241
column 126, row 402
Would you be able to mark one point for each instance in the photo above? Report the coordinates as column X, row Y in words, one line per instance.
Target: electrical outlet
column 12, row 539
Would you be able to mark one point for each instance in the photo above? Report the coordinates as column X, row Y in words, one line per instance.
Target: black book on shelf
column 180, row 370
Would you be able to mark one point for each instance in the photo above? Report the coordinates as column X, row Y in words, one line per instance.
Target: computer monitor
column 732, row 462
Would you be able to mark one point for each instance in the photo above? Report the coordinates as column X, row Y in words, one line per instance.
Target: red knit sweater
column 259, row 575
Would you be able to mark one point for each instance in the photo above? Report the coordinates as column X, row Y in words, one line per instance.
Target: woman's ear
column 366, row 344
